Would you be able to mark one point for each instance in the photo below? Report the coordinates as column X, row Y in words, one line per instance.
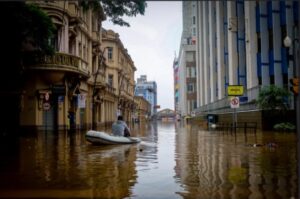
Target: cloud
column 151, row 41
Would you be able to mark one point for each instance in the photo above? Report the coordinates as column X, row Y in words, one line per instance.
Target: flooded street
column 172, row 161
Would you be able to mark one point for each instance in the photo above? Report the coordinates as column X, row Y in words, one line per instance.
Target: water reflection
column 65, row 165
column 217, row 165
column 173, row 160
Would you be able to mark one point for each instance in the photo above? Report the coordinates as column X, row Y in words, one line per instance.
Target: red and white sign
column 46, row 106
column 234, row 102
column 47, row 96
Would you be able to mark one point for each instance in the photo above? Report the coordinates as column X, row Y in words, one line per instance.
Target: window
column 54, row 41
column 110, row 80
column 194, row 20
column 80, row 50
column 110, row 53
column 190, row 87
column 84, row 52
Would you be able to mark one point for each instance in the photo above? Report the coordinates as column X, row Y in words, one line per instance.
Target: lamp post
column 94, row 93
column 295, row 44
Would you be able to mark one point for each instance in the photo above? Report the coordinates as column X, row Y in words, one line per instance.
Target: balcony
column 96, row 38
column 59, row 63
column 110, row 89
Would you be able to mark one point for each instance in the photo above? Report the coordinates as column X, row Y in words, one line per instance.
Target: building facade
column 120, row 77
column 147, row 89
column 87, row 82
column 187, row 81
column 143, row 109
column 176, row 87
column 242, row 43
column 57, row 92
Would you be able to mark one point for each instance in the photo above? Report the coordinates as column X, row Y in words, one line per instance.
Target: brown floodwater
column 172, row 161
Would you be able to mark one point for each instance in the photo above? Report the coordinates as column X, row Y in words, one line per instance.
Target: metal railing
column 223, row 105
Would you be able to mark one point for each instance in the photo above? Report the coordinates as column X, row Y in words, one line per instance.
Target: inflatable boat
column 102, row 138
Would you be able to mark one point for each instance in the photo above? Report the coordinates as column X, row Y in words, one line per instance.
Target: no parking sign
column 235, row 102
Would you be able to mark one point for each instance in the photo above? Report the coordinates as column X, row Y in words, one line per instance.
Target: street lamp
column 94, row 126
column 288, row 42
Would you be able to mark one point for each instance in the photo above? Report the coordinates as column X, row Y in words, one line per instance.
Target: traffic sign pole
column 234, row 103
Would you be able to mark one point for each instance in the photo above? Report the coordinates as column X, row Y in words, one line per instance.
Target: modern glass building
column 147, row 89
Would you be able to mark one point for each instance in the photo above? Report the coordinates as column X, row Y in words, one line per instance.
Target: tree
column 26, row 28
column 116, row 9
column 273, row 98
column 274, row 102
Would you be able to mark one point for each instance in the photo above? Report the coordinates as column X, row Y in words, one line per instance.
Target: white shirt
column 118, row 128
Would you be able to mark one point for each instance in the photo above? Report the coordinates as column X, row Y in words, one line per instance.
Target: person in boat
column 120, row 128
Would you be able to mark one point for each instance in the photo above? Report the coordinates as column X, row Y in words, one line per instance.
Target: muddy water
column 172, row 161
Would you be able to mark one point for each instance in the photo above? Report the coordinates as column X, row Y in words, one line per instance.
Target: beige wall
column 122, row 68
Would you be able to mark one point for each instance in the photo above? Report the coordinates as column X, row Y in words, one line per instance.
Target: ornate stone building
column 120, row 77
column 143, row 109
column 87, row 82
column 58, row 90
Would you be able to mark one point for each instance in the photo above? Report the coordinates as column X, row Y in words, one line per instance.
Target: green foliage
column 285, row 126
column 115, row 9
column 26, row 28
column 25, row 23
column 41, row 28
column 273, row 97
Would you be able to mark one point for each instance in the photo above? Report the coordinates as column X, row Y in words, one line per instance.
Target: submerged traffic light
column 295, row 83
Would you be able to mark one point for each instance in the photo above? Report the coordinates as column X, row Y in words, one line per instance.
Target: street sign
column 157, row 106
column 235, row 90
column 46, row 106
column 47, row 96
column 234, row 102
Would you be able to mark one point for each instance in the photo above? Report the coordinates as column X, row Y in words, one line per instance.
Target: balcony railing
column 58, row 61
column 61, row 60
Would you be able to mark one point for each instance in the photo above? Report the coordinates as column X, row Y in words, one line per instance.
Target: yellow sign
column 235, row 90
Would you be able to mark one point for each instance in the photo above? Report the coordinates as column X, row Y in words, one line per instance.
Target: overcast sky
column 151, row 41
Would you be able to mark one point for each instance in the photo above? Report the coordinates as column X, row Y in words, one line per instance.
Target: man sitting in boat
column 120, row 128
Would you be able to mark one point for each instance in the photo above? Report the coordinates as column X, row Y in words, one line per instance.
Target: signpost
column 46, row 103
column 46, row 106
column 235, row 102
column 235, row 91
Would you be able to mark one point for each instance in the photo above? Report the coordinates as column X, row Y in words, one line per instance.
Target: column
column 251, row 45
column 212, row 51
column 198, row 49
column 206, row 52
column 220, row 49
column 232, row 42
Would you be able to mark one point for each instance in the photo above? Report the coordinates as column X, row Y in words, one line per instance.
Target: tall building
column 147, row 89
column 187, row 91
column 242, row 43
